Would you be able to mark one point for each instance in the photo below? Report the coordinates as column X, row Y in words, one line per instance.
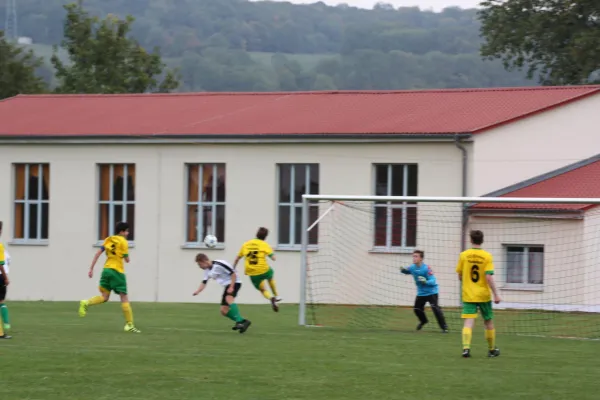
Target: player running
column 256, row 252
column 113, row 275
column 427, row 291
column 473, row 265
column 4, row 282
column 222, row 272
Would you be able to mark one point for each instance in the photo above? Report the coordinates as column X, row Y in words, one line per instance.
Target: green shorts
column 257, row 279
column 112, row 280
column 470, row 310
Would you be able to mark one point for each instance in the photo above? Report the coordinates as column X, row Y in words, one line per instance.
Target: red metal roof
column 578, row 182
column 384, row 112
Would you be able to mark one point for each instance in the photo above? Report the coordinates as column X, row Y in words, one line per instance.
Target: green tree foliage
column 18, row 70
column 103, row 59
column 557, row 40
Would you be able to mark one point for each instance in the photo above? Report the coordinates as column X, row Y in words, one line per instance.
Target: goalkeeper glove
column 402, row 269
column 422, row 279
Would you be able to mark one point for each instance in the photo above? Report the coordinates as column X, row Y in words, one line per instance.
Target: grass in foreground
column 188, row 351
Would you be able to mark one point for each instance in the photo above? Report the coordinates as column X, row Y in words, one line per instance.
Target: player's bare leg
column 85, row 304
column 467, row 334
column 490, row 337
column 128, row 313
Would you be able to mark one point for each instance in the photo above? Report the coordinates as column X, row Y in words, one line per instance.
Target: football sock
column 273, row 286
column 467, row 333
column 264, row 291
column 95, row 300
column 490, row 336
column 4, row 313
column 127, row 312
column 234, row 313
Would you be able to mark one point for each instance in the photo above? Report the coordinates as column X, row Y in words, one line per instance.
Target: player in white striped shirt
column 225, row 275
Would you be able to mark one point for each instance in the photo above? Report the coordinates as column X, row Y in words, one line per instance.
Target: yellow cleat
column 132, row 329
column 83, row 306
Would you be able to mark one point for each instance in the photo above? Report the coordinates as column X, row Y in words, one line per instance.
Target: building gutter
column 230, row 138
column 464, row 191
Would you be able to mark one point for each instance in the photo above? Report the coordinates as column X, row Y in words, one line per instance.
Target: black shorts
column 236, row 289
column 2, row 288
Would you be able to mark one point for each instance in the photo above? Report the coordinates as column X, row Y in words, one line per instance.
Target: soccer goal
column 546, row 255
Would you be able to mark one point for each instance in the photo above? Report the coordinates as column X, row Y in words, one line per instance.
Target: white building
column 77, row 164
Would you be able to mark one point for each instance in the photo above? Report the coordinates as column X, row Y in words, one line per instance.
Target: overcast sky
column 424, row 4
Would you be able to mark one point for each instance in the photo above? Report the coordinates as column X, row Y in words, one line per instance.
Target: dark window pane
column 46, row 182
column 206, row 218
column 299, row 182
column 284, row 183
column 381, row 180
column 118, row 189
column 117, row 217
column 397, row 231
column 19, row 222
column 33, row 189
column 130, row 188
column 413, row 180
column 103, row 221
column 398, row 180
column 314, row 179
column 192, row 224
column 313, row 234
column 411, row 227
column 221, row 183
column 45, row 220
column 298, row 225
column 283, row 229
column 380, row 226
column 131, row 220
column 220, row 228
column 192, row 184
column 33, row 221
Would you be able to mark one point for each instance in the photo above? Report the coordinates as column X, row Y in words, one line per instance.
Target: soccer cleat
column 244, row 325
column 132, row 329
column 236, row 326
column 421, row 325
column 494, row 353
column 83, row 306
column 278, row 299
column 445, row 330
column 5, row 336
column 274, row 305
column 466, row 353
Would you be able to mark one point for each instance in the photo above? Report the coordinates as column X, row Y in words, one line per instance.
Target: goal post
column 546, row 254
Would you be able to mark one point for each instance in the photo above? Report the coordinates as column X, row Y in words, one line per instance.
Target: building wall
column 535, row 145
column 161, row 270
column 565, row 268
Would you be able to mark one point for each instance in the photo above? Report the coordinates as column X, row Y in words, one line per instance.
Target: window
column 117, row 198
column 32, row 205
column 294, row 181
column 525, row 265
column 205, row 205
column 395, row 222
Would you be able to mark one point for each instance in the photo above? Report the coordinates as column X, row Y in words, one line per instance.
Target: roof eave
column 236, row 138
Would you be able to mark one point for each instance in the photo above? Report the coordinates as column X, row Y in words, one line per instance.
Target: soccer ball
column 210, row 241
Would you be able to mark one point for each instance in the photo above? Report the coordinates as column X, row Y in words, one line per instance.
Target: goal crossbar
column 309, row 200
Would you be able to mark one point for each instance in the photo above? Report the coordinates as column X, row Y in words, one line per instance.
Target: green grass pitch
column 188, row 351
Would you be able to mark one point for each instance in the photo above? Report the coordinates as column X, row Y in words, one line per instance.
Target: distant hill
column 240, row 45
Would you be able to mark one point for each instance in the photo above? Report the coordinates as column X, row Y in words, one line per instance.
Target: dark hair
column 419, row 252
column 121, row 227
column 201, row 257
column 476, row 237
column 262, row 233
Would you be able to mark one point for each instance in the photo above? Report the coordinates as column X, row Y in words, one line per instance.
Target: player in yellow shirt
column 113, row 275
column 476, row 271
column 256, row 252
column 3, row 284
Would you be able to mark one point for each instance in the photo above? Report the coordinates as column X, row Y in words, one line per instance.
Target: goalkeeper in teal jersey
column 427, row 291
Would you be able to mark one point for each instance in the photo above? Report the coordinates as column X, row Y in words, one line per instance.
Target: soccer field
column 188, row 351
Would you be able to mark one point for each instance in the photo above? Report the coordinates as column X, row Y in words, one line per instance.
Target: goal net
column 546, row 255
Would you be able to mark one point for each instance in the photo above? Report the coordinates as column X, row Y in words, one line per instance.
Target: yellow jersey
column 256, row 252
column 117, row 249
column 2, row 260
column 473, row 265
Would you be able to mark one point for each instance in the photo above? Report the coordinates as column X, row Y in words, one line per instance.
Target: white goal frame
column 306, row 198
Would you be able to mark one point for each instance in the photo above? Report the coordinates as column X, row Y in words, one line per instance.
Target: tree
column 103, row 59
column 18, row 70
column 556, row 40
